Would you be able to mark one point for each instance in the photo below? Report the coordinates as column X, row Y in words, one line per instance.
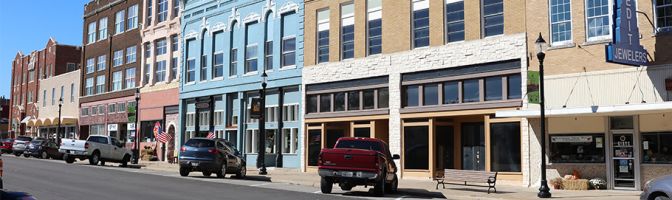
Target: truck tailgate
column 72, row 145
column 349, row 159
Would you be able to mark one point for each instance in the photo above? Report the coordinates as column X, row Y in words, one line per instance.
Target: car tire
column 44, row 155
column 207, row 174
column 94, row 159
column 660, row 197
column 326, row 185
column 393, row 186
column 124, row 161
column 379, row 188
column 17, row 154
column 242, row 172
column 26, row 155
column 68, row 159
column 184, row 171
column 222, row 171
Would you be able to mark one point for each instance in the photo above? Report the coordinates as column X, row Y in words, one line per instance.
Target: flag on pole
column 211, row 135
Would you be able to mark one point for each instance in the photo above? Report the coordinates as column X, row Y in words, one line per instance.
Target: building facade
column 4, row 117
column 110, row 70
column 59, row 95
column 605, row 120
column 160, row 73
column 228, row 45
column 27, row 72
column 426, row 76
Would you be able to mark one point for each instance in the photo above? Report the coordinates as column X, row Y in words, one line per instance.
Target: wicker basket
column 579, row 184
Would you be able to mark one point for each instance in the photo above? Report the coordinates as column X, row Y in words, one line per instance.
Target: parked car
column 96, row 148
column 8, row 195
column 43, row 149
column 6, row 145
column 658, row 189
column 211, row 156
column 358, row 161
column 20, row 144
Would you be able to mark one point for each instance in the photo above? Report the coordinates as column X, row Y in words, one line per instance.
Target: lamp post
column 540, row 45
column 136, row 145
column 261, row 156
column 58, row 131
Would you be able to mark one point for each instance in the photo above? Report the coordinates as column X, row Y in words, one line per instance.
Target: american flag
column 164, row 137
column 211, row 135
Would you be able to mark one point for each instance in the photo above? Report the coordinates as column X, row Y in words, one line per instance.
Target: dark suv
column 44, row 149
column 211, row 156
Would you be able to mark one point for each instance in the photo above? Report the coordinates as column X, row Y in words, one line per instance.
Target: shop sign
column 533, row 87
column 112, row 127
column 572, row 139
column 626, row 48
column 203, row 105
column 130, row 126
column 255, row 108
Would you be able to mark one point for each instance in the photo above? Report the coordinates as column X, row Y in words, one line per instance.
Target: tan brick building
column 427, row 76
column 605, row 120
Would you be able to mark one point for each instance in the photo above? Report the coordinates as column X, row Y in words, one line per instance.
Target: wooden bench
column 456, row 175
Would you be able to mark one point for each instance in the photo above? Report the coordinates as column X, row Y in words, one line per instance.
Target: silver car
column 658, row 189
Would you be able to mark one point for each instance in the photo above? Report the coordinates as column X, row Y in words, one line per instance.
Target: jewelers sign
column 626, row 48
column 572, row 139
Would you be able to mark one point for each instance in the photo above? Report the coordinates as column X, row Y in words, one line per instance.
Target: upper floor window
column 147, row 73
column 233, row 52
column 251, row 58
column 53, row 96
column 160, row 73
column 116, row 81
column 162, row 10
column 102, row 62
column 44, row 98
column 148, row 19
column 119, row 22
column 374, row 26
column 102, row 28
column 218, row 56
column 130, row 78
column 90, row 64
column 72, row 92
column 89, row 87
column 663, row 15
column 148, row 50
column 268, row 45
column 130, row 54
column 561, row 21
column 191, row 70
column 91, row 36
column 118, row 58
column 161, row 47
column 174, row 43
column 100, row 84
column 323, row 36
column 598, row 19
column 493, row 17
column 288, row 51
column 454, row 20
column 347, row 31
column 420, row 23
column 176, row 8
column 173, row 68
column 133, row 17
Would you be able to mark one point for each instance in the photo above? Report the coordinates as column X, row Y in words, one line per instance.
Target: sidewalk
column 425, row 188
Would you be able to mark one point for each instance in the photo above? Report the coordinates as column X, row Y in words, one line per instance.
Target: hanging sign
column 255, row 108
column 533, row 87
column 625, row 48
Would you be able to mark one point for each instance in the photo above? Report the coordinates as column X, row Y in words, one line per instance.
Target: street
column 54, row 179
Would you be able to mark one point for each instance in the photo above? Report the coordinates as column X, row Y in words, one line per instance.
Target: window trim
column 585, row 21
column 570, row 40
column 657, row 28
column 282, row 52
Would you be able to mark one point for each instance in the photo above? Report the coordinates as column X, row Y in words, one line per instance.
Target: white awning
column 25, row 120
column 627, row 109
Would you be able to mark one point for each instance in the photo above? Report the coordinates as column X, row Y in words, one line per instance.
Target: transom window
column 420, row 23
column 561, row 21
column 597, row 19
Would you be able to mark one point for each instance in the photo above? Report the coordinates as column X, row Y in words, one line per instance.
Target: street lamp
column 136, row 149
column 58, row 131
column 261, row 157
column 540, row 45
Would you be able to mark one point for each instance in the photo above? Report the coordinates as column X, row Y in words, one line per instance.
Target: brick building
column 110, row 66
column 27, row 72
column 4, row 117
column 426, row 76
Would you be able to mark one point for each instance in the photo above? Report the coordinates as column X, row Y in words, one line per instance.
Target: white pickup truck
column 97, row 149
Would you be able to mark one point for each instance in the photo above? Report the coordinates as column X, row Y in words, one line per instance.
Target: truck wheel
column 93, row 160
column 222, row 171
column 326, row 185
column 392, row 187
column 379, row 188
column 184, row 171
column 68, row 159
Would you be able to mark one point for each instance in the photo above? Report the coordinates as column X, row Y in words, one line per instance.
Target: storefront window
column 583, row 148
column 411, row 96
column 505, row 147
column 514, row 87
column 147, row 130
column 383, row 97
column 314, row 146
column 470, row 91
column 312, row 104
column 657, row 148
column 451, row 94
column 368, row 97
column 493, row 88
column 339, row 101
column 353, row 100
column 325, row 103
column 430, row 94
column 416, row 147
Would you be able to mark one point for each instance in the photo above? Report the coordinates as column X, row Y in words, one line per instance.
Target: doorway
column 444, row 151
column 623, row 163
column 473, row 146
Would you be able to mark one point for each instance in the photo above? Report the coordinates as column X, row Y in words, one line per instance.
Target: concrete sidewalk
column 425, row 188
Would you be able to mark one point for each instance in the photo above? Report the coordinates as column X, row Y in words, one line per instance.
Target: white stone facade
column 491, row 49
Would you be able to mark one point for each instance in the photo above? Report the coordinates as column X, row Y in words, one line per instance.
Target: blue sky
column 26, row 25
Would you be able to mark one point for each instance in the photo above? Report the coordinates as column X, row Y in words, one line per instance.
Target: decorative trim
column 205, row 25
column 268, row 6
column 251, row 17
column 218, row 27
column 235, row 16
column 191, row 35
column 288, row 7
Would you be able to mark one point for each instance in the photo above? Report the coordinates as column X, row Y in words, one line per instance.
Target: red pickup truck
column 358, row 161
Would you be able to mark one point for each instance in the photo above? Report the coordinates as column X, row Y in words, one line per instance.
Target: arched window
column 268, row 44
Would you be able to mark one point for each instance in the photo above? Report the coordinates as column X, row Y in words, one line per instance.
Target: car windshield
column 37, row 141
column 200, row 143
column 24, row 138
column 355, row 144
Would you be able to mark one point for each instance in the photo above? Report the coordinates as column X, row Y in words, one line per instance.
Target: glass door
column 623, row 152
column 473, row 146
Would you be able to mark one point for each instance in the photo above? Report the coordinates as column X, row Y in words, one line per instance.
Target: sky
column 26, row 25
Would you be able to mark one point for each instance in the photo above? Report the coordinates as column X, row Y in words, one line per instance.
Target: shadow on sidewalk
column 415, row 193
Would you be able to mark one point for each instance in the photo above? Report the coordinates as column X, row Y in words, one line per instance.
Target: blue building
column 228, row 44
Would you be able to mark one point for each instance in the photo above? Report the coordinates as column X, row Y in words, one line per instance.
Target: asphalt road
column 50, row 179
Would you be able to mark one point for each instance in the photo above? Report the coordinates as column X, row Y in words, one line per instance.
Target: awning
column 25, row 120
column 627, row 109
